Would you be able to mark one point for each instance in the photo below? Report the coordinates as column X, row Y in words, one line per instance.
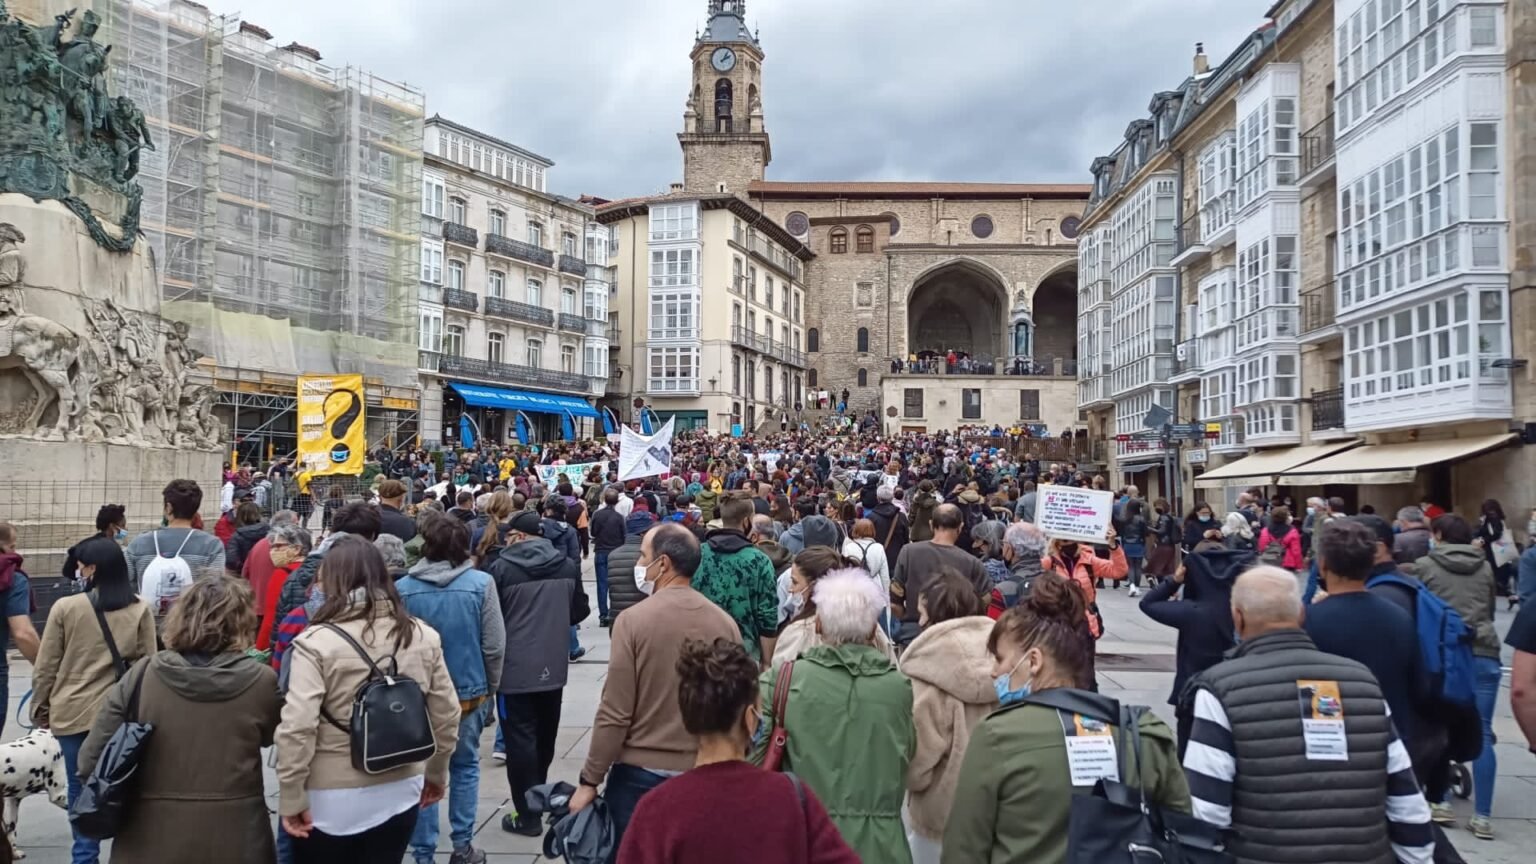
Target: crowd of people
column 878, row 618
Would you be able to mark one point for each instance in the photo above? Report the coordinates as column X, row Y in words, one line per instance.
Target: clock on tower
column 725, row 143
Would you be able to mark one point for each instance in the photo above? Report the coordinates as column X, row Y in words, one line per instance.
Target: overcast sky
column 962, row 90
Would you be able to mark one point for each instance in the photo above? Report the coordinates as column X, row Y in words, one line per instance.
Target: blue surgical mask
column 1431, row 542
column 122, row 534
column 1205, row 518
column 1002, row 683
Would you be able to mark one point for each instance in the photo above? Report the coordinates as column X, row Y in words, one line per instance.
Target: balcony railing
column 512, row 374
column 1317, row 146
column 614, row 335
column 1317, row 310
column 506, row 246
column 459, row 299
column 519, row 311
column 463, row 235
column 1328, row 409
column 748, row 339
column 573, row 265
column 427, row 360
column 573, row 323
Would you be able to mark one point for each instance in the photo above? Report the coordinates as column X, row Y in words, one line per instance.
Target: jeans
column 463, row 791
column 600, row 567
column 575, row 639
column 84, row 850
column 627, row 784
column 284, row 846
column 5, row 695
column 530, row 722
column 384, row 842
column 1486, row 767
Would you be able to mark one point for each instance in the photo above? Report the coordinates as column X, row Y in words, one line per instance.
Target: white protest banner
column 574, row 473
column 1070, row 513
column 645, row 455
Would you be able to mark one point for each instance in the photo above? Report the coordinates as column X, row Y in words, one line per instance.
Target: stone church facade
column 897, row 271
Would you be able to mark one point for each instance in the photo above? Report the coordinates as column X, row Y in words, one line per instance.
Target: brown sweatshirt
column 637, row 721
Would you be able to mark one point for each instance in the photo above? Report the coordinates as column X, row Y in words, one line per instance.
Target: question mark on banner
column 341, row 423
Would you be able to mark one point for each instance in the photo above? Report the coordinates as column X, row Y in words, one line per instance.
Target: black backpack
column 390, row 726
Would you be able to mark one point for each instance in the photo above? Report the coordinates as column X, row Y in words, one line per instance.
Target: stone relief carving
column 123, row 380
column 62, row 135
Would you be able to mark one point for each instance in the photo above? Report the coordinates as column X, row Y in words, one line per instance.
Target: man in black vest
column 1294, row 749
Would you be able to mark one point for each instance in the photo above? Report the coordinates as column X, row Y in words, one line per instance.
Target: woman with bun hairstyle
column 727, row 809
column 1015, row 788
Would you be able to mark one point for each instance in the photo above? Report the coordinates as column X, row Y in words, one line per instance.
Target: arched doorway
column 1055, row 317
column 958, row 307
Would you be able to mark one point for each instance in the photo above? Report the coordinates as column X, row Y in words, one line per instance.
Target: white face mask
column 645, row 586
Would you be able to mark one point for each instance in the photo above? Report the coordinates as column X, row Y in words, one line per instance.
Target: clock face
column 724, row 59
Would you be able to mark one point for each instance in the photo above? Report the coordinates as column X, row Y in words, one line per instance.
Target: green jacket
column 707, row 500
column 739, row 578
column 413, row 549
column 1459, row 574
column 849, row 718
column 1015, row 790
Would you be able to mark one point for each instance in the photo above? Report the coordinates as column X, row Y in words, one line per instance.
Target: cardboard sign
column 1070, row 513
column 574, row 473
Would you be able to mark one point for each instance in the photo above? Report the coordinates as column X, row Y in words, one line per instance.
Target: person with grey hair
column 854, row 758
column 987, row 543
column 1023, row 550
column 1347, row 776
column 1412, row 539
column 257, row 571
column 288, row 544
column 393, row 550
column 891, row 525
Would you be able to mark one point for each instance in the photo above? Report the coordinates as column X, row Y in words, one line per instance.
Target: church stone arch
column 960, row 305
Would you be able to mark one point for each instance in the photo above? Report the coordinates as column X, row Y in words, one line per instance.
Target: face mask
column 1311, row 510
column 1069, row 550
column 121, row 534
column 1001, row 684
column 1431, row 542
column 796, row 602
column 82, row 581
column 1205, row 518
column 645, row 586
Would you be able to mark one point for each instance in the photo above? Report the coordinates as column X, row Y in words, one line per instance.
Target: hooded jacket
column 739, row 578
column 563, row 537
column 952, row 691
column 707, row 499
column 1204, row 616
column 462, row 605
column 239, row 546
column 1289, row 538
column 201, row 799
column 884, row 516
column 541, row 597
column 1013, row 589
column 1459, row 574
column 923, row 504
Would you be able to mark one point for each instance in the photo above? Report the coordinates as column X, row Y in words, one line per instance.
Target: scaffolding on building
column 282, row 206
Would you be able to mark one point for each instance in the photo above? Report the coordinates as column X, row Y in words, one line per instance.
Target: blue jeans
column 463, row 790
column 1486, row 767
column 575, row 640
column 600, row 568
column 626, row 785
column 284, row 846
column 84, row 850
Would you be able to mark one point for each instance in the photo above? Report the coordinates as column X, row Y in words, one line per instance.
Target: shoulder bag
column 119, row 665
column 778, row 741
column 390, row 726
column 103, row 806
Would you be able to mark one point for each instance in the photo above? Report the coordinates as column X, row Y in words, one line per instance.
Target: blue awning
column 524, row 400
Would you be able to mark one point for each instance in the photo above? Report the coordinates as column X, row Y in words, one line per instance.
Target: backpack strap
column 184, row 541
column 1074, row 701
column 372, row 667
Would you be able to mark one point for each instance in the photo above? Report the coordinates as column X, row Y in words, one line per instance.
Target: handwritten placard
column 1070, row 513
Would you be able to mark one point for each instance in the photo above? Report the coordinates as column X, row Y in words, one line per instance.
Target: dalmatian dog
column 30, row 765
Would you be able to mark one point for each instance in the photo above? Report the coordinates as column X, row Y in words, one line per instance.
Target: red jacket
column 1292, row 543
column 1088, row 569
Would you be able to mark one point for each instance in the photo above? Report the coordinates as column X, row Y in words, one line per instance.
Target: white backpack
column 165, row 577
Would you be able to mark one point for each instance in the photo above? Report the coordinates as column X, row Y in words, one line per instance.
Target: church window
column 981, row 227
column 863, row 380
column 813, row 340
column 866, row 239
column 863, row 340
column 797, row 223
column 839, row 239
column 723, row 105
column 811, row 377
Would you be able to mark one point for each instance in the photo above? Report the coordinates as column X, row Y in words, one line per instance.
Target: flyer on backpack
column 1069, row 513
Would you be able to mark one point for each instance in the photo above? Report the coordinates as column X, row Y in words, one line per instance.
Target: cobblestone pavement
column 1135, row 664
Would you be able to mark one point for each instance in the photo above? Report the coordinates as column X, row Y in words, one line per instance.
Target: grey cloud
column 981, row 90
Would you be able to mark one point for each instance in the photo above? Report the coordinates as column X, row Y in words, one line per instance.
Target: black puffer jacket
column 622, row 592
column 240, row 544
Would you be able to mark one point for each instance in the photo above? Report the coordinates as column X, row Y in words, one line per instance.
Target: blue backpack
column 1445, row 640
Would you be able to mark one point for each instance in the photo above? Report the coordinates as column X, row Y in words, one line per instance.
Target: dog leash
column 20, row 712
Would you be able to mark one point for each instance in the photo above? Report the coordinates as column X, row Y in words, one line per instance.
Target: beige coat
column 801, row 636
column 952, row 691
column 326, row 671
column 74, row 668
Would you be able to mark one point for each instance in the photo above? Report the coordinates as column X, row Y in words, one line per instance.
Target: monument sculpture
column 89, row 370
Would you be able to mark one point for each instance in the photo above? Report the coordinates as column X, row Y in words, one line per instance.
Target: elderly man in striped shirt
column 1294, row 749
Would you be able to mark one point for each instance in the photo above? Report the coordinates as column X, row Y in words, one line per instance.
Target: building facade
column 1343, row 258
column 855, row 284
column 513, row 303
column 281, row 204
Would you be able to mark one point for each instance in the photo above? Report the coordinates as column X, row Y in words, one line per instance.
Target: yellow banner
column 331, row 428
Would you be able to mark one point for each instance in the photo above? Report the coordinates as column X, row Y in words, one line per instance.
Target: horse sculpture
column 45, row 351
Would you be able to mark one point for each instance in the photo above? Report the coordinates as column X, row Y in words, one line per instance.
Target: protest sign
column 575, row 473
column 1070, row 513
column 645, row 455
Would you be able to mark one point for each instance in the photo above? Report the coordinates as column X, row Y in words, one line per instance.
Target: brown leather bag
column 778, row 742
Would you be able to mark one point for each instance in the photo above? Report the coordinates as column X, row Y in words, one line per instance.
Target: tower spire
column 727, row 23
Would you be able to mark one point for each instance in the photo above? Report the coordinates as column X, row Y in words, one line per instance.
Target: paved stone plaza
column 1135, row 664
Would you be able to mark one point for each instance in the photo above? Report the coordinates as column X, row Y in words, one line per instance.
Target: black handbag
column 1115, row 824
column 390, row 726
column 106, row 797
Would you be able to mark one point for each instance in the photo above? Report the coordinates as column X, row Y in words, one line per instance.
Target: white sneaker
column 1134, row 592
column 499, row 757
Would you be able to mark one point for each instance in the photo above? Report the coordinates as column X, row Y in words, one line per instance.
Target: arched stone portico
column 958, row 305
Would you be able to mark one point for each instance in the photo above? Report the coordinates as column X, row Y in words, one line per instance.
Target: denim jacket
column 460, row 603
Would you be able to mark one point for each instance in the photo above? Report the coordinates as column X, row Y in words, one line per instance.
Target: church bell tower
column 725, row 144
